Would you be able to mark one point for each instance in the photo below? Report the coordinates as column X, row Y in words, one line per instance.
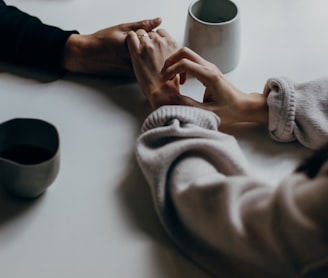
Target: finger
column 141, row 32
column 167, row 98
column 163, row 33
column 183, row 78
column 188, row 101
column 142, row 35
column 183, row 53
column 133, row 42
column 148, row 24
column 153, row 34
column 187, row 66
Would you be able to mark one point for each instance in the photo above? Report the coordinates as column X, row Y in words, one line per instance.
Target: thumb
column 147, row 25
column 188, row 101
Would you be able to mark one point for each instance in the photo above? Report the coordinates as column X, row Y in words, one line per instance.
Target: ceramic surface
column 213, row 31
column 29, row 156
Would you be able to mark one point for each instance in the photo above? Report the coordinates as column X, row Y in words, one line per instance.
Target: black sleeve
column 26, row 40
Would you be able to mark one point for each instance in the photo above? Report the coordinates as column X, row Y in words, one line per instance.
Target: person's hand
column 220, row 96
column 104, row 52
column 148, row 53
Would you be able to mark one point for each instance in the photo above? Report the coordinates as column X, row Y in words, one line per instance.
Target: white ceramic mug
column 213, row 31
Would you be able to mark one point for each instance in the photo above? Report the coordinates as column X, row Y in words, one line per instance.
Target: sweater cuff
column 185, row 114
column 280, row 94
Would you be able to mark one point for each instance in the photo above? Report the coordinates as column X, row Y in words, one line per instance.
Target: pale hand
column 220, row 96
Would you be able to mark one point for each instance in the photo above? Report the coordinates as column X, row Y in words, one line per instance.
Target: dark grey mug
column 29, row 156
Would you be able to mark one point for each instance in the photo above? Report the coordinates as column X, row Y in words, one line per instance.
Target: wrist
column 72, row 54
column 164, row 94
column 253, row 108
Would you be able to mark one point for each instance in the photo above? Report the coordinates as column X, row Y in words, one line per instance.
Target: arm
column 293, row 111
column 298, row 111
column 218, row 215
column 220, row 96
column 26, row 40
column 226, row 221
column 104, row 52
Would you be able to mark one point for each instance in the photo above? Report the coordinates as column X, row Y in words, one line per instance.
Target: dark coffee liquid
column 26, row 154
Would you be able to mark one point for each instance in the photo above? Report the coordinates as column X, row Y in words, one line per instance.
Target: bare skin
column 104, row 52
column 161, row 68
column 220, row 96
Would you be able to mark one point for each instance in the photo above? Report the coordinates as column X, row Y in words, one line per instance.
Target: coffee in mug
column 29, row 156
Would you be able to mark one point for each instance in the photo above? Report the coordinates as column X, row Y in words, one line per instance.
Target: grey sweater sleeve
column 229, row 223
column 298, row 111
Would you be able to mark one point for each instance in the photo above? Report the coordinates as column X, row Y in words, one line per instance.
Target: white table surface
column 97, row 219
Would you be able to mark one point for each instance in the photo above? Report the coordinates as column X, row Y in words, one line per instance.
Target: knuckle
column 149, row 48
column 184, row 49
column 184, row 62
column 172, row 43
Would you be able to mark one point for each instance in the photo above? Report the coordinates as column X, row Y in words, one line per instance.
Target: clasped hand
column 103, row 52
column 160, row 68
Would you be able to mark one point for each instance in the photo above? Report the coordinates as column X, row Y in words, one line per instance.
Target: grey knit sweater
column 227, row 222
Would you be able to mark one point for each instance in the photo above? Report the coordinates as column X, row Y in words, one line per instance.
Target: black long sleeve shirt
column 25, row 40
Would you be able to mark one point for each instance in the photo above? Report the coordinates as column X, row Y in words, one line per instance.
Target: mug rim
column 212, row 23
column 42, row 124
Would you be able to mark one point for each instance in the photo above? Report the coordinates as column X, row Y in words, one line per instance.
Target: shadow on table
column 257, row 139
column 122, row 92
column 12, row 207
column 137, row 203
column 38, row 75
column 133, row 192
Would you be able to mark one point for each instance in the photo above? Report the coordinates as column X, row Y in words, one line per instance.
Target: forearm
column 179, row 147
column 254, row 109
column 214, row 210
column 26, row 40
column 293, row 111
column 72, row 56
column 267, row 232
column 164, row 125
